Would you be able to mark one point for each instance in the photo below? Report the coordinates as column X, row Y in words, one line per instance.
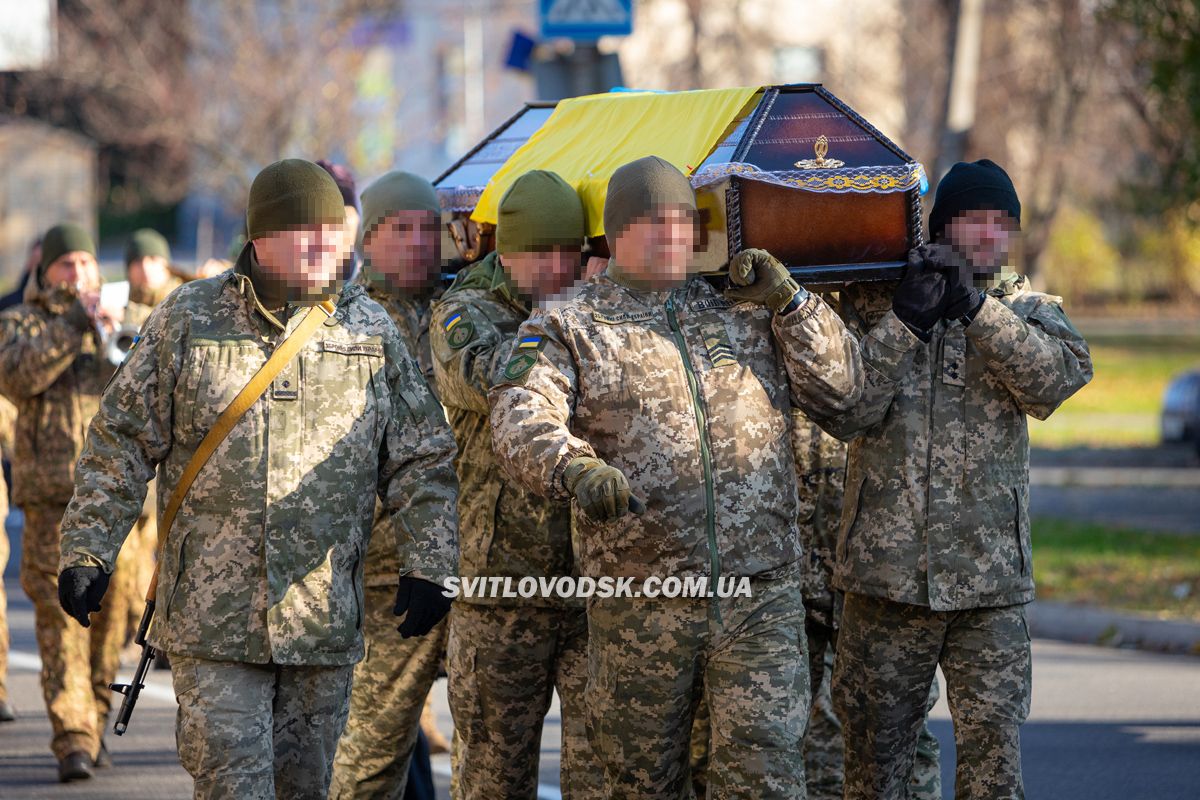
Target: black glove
column 80, row 590
column 920, row 297
column 963, row 300
column 424, row 603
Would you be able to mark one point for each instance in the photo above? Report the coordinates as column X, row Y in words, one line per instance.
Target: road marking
column 31, row 663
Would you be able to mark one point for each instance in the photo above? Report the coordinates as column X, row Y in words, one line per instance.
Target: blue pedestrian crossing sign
column 585, row 20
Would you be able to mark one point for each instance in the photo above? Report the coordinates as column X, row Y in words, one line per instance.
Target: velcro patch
column 353, row 348
column 461, row 334
column 617, row 319
column 716, row 342
column 524, row 356
column 709, row 303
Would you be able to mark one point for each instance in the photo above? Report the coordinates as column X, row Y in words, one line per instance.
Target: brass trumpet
column 117, row 344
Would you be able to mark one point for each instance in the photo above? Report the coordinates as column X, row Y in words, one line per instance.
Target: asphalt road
column 1140, row 508
column 1106, row 725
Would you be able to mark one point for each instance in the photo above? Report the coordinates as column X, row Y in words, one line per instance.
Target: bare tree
column 200, row 95
column 1042, row 65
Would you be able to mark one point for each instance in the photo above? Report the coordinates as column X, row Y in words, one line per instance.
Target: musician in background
column 53, row 369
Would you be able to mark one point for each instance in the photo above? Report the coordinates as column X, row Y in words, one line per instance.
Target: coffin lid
column 762, row 141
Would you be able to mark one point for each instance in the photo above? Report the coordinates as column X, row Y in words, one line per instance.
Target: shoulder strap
column 236, row 409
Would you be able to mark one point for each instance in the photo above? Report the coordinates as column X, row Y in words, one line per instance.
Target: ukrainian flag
column 529, row 341
column 450, row 323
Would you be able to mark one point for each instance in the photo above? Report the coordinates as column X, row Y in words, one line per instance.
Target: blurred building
column 855, row 47
column 49, row 176
column 433, row 78
column 434, row 82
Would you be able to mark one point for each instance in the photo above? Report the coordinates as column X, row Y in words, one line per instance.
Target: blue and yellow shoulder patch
column 459, row 330
column 524, row 356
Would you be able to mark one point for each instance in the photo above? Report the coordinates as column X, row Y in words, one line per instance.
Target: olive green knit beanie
column 539, row 211
column 291, row 194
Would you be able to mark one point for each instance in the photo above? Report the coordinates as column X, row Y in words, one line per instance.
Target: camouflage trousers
column 258, row 731
column 504, row 664
column 651, row 662
column 886, row 656
column 823, row 745
column 390, row 687
column 78, row 663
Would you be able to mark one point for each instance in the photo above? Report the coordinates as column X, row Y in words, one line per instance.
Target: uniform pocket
column 346, row 377
column 851, row 508
column 1022, row 529
column 344, row 597
column 177, row 569
column 214, row 374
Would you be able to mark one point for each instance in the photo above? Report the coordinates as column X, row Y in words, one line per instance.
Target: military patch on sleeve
column 716, row 342
column 459, row 331
column 525, row 355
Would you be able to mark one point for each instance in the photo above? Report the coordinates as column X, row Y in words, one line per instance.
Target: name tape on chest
column 618, row 319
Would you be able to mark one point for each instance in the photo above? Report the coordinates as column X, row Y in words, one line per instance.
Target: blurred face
column 77, row 269
column 306, row 261
column 403, row 250
column 985, row 238
column 543, row 274
column 656, row 250
column 149, row 273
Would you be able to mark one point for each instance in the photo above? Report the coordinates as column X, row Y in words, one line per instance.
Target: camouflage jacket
column 137, row 311
column 265, row 559
column 506, row 530
column 51, row 370
column 141, row 302
column 689, row 396
column 937, row 486
column 821, row 475
column 411, row 314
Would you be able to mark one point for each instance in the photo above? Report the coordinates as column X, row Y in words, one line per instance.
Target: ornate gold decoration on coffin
column 821, row 149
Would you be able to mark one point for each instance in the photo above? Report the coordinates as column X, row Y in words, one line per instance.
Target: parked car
column 1181, row 409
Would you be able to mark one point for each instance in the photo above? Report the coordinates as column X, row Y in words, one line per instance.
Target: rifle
column 132, row 690
column 229, row 417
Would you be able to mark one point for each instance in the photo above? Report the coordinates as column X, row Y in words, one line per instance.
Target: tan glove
column 756, row 276
column 601, row 491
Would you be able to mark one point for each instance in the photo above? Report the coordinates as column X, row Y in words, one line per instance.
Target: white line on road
column 30, row 662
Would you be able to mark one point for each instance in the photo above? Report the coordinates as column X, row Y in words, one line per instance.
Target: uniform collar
column 243, row 285
column 487, row 274
column 612, row 273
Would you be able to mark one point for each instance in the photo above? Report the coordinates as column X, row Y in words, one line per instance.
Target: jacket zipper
column 705, row 453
